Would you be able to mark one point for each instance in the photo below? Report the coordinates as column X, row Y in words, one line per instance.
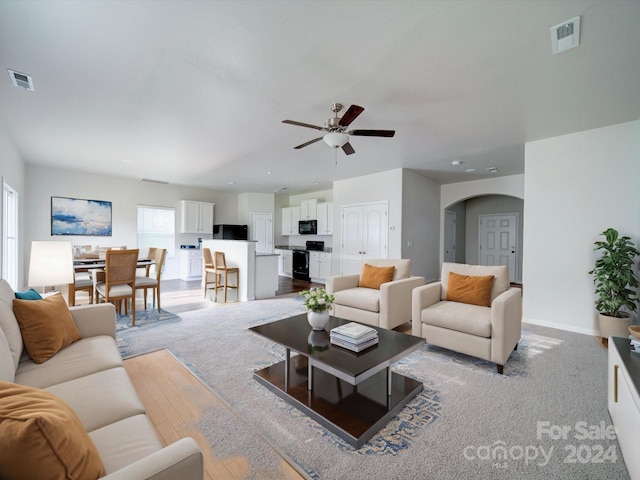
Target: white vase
column 318, row 320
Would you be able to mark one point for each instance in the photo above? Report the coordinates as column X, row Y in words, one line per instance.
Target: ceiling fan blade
column 350, row 115
column 300, row 124
column 307, row 143
column 373, row 133
column 348, row 149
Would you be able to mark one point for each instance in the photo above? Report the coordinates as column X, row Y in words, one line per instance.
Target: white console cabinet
column 624, row 402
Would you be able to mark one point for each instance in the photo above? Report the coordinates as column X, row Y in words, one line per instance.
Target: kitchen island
column 258, row 277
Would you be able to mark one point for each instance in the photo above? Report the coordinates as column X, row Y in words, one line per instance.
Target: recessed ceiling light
column 455, row 163
column 231, row 183
column 268, row 172
column 316, row 183
column 471, row 170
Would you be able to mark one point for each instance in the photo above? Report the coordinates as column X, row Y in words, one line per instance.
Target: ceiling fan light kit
column 335, row 139
column 337, row 135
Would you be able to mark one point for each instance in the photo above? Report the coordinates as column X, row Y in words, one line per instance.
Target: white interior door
column 498, row 241
column 365, row 234
column 262, row 231
column 449, row 236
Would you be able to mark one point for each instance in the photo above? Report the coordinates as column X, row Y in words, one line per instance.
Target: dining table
column 95, row 266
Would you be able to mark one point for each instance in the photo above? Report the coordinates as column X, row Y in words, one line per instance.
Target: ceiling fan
column 337, row 135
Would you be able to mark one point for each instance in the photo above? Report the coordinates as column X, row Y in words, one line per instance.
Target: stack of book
column 354, row 337
column 635, row 343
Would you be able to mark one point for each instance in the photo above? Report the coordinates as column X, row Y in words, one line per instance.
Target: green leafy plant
column 613, row 275
column 317, row 299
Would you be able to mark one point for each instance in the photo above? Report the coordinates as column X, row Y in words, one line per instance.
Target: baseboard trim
column 561, row 326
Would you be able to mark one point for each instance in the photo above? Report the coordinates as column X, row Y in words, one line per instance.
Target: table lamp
column 51, row 264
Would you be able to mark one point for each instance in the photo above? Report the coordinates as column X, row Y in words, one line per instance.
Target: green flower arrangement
column 317, row 299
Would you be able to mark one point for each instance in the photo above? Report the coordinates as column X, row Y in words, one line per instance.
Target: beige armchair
column 490, row 333
column 387, row 307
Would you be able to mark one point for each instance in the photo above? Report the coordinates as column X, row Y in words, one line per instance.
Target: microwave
column 308, row 227
column 230, row 232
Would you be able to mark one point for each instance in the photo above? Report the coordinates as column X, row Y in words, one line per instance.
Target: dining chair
column 120, row 279
column 209, row 269
column 82, row 282
column 151, row 255
column 220, row 264
column 153, row 282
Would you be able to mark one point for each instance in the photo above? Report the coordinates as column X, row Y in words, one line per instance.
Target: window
column 157, row 228
column 10, row 235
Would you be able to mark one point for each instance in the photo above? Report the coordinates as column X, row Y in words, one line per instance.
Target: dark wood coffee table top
column 296, row 334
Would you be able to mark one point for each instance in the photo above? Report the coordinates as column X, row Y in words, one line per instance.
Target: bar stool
column 209, row 269
column 220, row 264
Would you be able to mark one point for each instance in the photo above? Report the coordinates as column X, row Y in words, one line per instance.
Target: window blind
column 156, row 228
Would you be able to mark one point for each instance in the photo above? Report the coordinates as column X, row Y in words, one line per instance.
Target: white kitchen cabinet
column 308, row 209
column 290, row 219
column 319, row 266
column 325, row 218
column 288, row 263
column 190, row 264
column 624, row 402
column 196, row 217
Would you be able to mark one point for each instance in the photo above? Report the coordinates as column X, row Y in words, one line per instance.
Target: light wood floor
column 174, row 399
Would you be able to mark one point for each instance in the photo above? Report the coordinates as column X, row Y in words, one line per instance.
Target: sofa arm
column 506, row 324
column 395, row 301
column 182, row 459
column 423, row 297
column 342, row 282
column 94, row 320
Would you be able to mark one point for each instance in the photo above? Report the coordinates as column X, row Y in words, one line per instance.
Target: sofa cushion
column 462, row 317
column 124, row 442
column 101, row 398
column 373, row 277
column 8, row 322
column 470, row 289
column 7, row 368
column 89, row 355
column 361, row 298
column 500, row 273
column 41, row 437
column 46, row 325
column 30, row 294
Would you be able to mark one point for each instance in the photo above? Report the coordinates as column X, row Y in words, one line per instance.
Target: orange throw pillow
column 42, row 437
column 373, row 277
column 470, row 289
column 46, row 326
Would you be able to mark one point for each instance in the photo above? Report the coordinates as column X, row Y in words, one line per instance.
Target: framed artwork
column 76, row 216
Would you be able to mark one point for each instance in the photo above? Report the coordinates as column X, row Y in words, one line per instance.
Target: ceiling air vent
column 565, row 36
column 21, row 80
column 150, row 180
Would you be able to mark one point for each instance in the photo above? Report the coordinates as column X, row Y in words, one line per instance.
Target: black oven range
column 301, row 259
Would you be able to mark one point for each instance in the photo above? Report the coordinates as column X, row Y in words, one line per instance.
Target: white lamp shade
column 51, row 264
column 335, row 139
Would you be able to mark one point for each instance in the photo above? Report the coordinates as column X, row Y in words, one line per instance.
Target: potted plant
column 318, row 303
column 615, row 283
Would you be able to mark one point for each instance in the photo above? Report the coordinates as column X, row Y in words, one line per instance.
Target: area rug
column 469, row 422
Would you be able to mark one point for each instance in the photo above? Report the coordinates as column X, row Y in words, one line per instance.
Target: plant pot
column 318, row 320
column 614, row 326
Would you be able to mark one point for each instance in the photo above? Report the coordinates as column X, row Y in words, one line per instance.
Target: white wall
column 576, row 186
column 377, row 187
column 12, row 172
column 256, row 203
column 420, row 224
column 125, row 194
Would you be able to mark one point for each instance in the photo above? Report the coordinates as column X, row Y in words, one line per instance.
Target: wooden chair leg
column 145, row 298
column 133, row 310
column 157, row 293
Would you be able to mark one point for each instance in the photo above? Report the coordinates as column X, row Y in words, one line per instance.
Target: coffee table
column 351, row 394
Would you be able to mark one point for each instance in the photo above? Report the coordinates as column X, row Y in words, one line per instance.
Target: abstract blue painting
column 75, row 216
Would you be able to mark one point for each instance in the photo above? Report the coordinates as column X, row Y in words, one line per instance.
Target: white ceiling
column 195, row 92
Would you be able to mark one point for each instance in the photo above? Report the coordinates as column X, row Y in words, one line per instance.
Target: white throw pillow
column 8, row 322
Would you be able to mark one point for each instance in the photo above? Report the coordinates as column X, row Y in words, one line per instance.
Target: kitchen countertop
column 266, row 254
column 300, row 247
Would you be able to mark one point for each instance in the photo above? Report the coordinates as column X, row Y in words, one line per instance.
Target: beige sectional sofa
column 88, row 375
